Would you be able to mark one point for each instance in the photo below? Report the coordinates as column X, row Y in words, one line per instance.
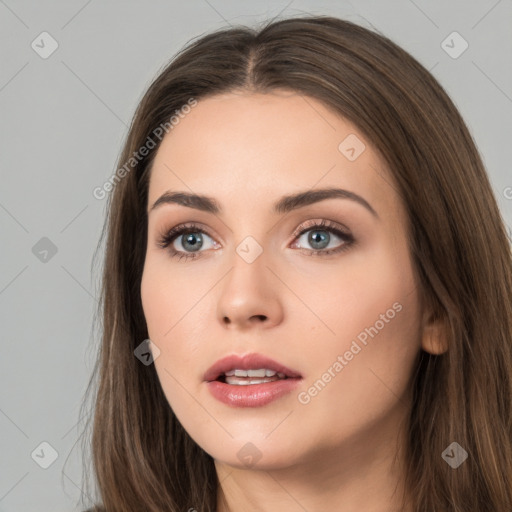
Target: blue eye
column 320, row 235
column 191, row 237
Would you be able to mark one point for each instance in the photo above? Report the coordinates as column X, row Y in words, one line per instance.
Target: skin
column 345, row 445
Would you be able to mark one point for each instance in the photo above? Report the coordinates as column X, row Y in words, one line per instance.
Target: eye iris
column 315, row 240
column 194, row 240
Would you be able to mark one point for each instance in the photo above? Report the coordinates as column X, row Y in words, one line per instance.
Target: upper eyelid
column 322, row 223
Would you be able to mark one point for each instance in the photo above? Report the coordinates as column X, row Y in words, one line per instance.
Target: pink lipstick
column 252, row 380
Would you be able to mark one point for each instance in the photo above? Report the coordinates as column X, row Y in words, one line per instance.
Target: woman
column 236, row 371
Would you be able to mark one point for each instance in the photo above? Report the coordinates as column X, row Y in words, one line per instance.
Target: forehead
column 252, row 148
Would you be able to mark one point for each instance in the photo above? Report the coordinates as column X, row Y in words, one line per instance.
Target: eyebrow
column 284, row 205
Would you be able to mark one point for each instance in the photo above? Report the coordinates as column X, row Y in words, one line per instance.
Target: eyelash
column 168, row 238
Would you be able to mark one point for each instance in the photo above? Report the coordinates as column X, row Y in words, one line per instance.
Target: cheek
column 166, row 297
column 350, row 295
column 173, row 313
column 375, row 322
column 364, row 365
column 156, row 304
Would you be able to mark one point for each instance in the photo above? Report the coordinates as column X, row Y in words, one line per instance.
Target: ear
column 434, row 338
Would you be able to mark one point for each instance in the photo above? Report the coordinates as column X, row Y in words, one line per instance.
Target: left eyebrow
column 284, row 205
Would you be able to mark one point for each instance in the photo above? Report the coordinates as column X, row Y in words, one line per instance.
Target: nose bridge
column 251, row 239
column 248, row 290
column 249, row 266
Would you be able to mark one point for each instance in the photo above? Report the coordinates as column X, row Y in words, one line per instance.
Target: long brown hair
column 142, row 457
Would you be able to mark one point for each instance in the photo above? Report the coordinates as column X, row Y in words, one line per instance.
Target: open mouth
column 250, row 380
column 250, row 377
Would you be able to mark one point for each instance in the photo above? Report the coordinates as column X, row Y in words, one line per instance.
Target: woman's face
column 337, row 305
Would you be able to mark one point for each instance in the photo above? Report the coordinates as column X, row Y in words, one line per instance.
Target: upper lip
column 246, row 362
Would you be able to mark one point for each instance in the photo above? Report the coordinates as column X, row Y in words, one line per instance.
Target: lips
column 250, row 389
column 247, row 362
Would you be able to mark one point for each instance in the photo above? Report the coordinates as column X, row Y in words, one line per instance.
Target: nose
column 250, row 296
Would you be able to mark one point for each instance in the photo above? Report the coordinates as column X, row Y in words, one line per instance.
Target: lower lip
column 253, row 395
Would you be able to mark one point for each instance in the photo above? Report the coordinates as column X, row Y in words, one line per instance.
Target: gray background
column 63, row 120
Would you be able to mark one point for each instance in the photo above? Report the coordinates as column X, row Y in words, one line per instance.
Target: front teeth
column 247, row 377
column 262, row 372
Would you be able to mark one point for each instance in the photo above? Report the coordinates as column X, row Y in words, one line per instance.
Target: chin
column 253, row 452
